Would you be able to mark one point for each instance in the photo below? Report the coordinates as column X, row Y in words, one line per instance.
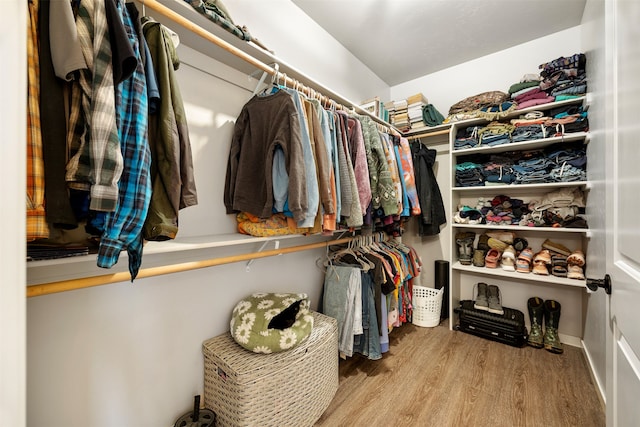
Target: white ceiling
column 400, row 40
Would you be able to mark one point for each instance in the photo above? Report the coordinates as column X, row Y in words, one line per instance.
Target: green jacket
column 171, row 161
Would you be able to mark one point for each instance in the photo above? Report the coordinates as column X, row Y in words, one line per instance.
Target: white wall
column 300, row 41
column 497, row 71
column 13, row 21
column 130, row 354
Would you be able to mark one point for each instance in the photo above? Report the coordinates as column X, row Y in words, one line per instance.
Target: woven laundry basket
column 288, row 388
column 427, row 304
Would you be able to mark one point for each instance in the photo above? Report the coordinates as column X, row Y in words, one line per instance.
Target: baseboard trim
column 601, row 389
column 571, row 340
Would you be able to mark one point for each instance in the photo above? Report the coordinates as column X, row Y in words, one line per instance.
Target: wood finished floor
column 438, row 377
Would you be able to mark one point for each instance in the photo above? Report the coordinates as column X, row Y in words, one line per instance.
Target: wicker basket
column 427, row 304
column 289, row 388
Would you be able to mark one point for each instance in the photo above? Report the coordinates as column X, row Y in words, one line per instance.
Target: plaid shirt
column 36, row 222
column 96, row 160
column 123, row 227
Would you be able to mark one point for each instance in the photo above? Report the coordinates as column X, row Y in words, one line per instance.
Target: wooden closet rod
column 429, row 134
column 181, row 20
column 88, row 282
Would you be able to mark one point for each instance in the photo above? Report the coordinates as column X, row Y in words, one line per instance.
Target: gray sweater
column 264, row 123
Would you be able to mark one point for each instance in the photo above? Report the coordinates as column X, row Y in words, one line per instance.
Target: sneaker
column 493, row 294
column 481, row 301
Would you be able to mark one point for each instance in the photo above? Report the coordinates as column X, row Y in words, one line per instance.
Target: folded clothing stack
column 562, row 162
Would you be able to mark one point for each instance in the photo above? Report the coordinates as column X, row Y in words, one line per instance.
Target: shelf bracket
column 276, row 246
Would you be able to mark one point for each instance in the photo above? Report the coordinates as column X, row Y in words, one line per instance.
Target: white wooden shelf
column 495, row 189
column 522, row 228
column 464, row 277
column 535, row 144
column 517, row 113
column 511, row 275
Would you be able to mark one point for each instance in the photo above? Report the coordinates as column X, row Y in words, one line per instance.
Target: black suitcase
column 508, row 328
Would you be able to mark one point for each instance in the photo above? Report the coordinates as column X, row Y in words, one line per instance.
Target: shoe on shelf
column 492, row 259
column 478, row 258
column 575, row 263
column 504, row 236
column 541, row 262
column 520, row 244
column 576, row 258
column 575, row 272
column 497, row 244
column 483, row 242
column 556, row 247
column 508, row 261
column 464, row 241
column 523, row 263
column 481, row 301
column 559, row 265
column 493, row 299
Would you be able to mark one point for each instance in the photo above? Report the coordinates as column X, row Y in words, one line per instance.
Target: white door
column 623, row 212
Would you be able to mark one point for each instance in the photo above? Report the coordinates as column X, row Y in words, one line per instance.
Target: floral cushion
column 271, row 322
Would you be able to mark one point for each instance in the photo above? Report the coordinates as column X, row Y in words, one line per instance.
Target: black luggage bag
column 508, row 328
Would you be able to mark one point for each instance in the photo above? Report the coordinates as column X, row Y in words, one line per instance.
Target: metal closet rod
column 88, row 282
column 184, row 22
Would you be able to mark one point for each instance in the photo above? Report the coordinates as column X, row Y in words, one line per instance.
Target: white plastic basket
column 427, row 304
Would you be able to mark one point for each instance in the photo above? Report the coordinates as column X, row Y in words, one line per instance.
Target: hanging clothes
column 323, row 173
column 329, row 132
column 352, row 210
column 96, row 161
column 355, row 143
column 36, row 224
column 52, row 116
column 343, row 181
column 308, row 167
column 431, row 205
column 172, row 171
column 396, row 193
column 382, row 272
column 379, row 175
column 408, row 175
column 123, row 226
column 263, row 123
column 342, row 298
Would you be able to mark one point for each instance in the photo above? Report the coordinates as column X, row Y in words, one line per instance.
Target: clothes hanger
column 260, row 82
column 349, row 250
column 175, row 38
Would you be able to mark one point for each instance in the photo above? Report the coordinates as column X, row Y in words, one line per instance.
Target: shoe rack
column 517, row 287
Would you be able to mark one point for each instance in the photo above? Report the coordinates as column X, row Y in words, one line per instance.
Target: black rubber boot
column 536, row 313
column 551, row 321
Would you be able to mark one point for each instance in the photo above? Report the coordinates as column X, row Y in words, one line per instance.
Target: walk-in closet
column 306, row 213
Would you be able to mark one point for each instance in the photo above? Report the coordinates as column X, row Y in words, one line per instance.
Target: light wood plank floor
column 438, row 377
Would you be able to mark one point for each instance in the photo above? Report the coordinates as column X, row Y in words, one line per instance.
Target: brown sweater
column 264, row 123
